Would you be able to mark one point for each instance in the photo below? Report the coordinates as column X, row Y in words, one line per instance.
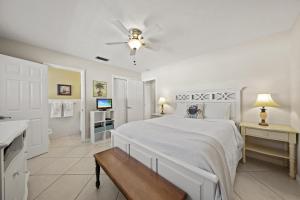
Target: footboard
column 197, row 183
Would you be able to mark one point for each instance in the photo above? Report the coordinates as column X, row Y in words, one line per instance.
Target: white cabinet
column 101, row 122
column 14, row 178
column 13, row 173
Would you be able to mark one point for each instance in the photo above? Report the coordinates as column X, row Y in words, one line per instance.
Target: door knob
column 5, row 117
column 16, row 174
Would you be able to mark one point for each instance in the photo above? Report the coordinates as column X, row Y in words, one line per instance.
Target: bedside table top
column 157, row 114
column 271, row 127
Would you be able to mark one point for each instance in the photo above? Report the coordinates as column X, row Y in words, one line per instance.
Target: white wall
column 260, row 66
column 295, row 81
column 94, row 70
column 295, row 75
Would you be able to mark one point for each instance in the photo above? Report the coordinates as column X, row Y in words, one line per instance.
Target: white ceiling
column 189, row 27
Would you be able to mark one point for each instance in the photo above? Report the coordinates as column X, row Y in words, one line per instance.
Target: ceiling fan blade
column 154, row 40
column 152, row 29
column 115, row 43
column 132, row 52
column 152, row 46
column 120, row 26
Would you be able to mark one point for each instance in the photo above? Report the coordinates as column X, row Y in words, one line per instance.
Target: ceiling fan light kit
column 135, row 40
column 135, row 33
column 134, row 44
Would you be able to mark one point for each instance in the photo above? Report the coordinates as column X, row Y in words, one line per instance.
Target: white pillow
column 217, row 110
column 180, row 109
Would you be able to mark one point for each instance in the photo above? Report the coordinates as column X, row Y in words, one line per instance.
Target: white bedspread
column 212, row 145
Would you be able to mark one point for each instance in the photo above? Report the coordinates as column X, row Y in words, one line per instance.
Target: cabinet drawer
column 268, row 134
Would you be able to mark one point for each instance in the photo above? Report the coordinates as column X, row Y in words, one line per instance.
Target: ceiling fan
column 135, row 38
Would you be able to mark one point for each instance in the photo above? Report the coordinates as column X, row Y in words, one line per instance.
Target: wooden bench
column 135, row 180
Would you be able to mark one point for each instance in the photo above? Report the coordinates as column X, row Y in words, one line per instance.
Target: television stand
column 103, row 109
column 101, row 122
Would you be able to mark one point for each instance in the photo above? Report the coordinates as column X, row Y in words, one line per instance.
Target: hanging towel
column 56, row 110
column 68, row 109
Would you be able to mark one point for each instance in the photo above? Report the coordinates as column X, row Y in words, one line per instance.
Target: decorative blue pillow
column 194, row 111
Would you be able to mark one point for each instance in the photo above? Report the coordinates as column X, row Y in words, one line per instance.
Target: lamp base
column 263, row 124
column 162, row 109
column 263, row 116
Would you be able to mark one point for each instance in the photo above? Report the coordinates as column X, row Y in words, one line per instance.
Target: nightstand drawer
column 272, row 135
column 279, row 136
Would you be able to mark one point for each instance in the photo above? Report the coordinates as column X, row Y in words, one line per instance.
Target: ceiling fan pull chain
column 134, row 60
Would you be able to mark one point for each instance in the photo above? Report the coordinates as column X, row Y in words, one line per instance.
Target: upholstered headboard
column 232, row 96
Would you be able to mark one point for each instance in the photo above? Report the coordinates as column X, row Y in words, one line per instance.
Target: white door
column 120, row 101
column 135, row 100
column 23, row 96
column 149, row 99
column 83, row 132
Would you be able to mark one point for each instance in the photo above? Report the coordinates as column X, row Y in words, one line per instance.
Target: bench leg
column 97, row 175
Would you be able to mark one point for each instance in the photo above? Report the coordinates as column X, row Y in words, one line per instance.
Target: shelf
column 99, row 122
column 109, row 127
column 267, row 151
column 99, row 132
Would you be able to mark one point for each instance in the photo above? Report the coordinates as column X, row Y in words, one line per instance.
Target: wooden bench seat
column 135, row 180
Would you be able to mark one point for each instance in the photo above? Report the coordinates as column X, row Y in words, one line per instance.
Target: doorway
column 149, row 98
column 75, row 101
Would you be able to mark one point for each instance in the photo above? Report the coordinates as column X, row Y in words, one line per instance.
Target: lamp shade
column 162, row 100
column 265, row 100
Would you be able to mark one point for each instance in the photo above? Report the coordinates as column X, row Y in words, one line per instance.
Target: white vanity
column 13, row 169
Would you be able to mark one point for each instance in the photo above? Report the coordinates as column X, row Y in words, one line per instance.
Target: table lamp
column 161, row 102
column 264, row 100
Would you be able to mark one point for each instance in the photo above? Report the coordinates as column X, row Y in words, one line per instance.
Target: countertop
column 9, row 130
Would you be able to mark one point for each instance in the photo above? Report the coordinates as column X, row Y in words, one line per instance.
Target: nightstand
column 155, row 115
column 281, row 133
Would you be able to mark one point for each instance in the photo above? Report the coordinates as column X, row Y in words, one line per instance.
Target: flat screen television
column 103, row 104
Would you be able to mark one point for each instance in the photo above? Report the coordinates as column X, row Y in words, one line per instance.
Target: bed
column 199, row 156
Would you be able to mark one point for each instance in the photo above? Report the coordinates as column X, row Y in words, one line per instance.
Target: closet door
column 149, row 99
column 120, row 101
column 135, row 108
column 23, row 96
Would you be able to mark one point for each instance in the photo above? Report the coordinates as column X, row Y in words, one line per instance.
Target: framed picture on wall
column 64, row 89
column 99, row 89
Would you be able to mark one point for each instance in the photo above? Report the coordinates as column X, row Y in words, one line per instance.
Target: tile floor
column 67, row 173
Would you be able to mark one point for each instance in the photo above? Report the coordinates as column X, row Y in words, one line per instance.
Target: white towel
column 56, row 109
column 68, row 109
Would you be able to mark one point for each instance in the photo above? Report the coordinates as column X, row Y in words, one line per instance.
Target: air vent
column 101, row 58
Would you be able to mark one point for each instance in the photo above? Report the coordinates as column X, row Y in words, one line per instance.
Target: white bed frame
column 197, row 183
